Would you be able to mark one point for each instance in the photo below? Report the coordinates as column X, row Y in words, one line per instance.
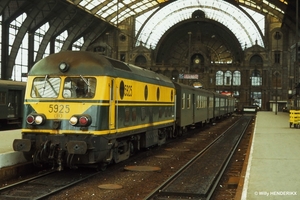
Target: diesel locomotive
column 85, row 109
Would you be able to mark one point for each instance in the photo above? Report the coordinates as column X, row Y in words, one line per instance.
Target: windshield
column 79, row 87
column 45, row 87
column 74, row 87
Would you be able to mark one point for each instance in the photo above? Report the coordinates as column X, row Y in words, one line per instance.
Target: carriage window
column 217, row 102
column 79, row 87
column 45, row 87
column 188, row 101
column 203, row 102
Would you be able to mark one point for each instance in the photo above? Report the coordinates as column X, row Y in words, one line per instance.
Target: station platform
column 8, row 156
column 274, row 161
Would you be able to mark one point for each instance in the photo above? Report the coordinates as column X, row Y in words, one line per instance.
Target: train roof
column 87, row 63
column 12, row 83
column 183, row 86
column 187, row 87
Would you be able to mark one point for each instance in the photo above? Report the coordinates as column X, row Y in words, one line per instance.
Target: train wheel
column 176, row 132
column 132, row 148
column 102, row 167
column 121, row 151
column 179, row 131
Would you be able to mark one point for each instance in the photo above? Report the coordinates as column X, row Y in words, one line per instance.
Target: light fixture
column 63, row 67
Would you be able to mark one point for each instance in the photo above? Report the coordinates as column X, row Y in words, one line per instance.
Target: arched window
column 78, row 44
column 227, row 78
column 219, row 78
column 236, row 78
column 256, row 79
column 140, row 60
column 256, row 60
column 21, row 62
column 38, row 37
column 59, row 41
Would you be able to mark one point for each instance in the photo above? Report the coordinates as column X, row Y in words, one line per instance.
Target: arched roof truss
column 59, row 15
column 116, row 11
column 239, row 22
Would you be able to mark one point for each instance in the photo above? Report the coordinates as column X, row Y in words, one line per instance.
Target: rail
column 200, row 176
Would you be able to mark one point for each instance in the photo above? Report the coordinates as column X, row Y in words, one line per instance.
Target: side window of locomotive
column 79, row 87
column 45, row 87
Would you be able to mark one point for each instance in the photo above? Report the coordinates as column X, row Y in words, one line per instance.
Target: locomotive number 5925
column 55, row 108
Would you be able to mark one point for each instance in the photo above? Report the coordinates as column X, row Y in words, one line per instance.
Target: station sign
column 189, row 76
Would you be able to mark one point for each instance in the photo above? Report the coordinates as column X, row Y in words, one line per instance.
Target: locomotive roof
column 87, row 63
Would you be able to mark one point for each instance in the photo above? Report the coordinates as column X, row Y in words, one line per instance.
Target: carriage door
column 112, row 106
column 14, row 104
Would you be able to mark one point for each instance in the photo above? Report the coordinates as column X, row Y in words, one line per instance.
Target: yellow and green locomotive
column 82, row 108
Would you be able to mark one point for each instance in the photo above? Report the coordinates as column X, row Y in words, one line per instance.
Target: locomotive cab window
column 45, row 87
column 79, row 87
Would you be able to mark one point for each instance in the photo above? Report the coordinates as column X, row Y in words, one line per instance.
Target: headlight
column 73, row 120
column 80, row 120
column 35, row 119
column 39, row 120
column 63, row 67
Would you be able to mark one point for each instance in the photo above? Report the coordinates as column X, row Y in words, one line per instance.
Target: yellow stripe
column 104, row 132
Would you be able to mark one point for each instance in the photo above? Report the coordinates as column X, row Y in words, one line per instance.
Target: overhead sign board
column 188, row 76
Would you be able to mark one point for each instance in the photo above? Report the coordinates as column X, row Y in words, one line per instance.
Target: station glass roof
column 235, row 19
column 248, row 28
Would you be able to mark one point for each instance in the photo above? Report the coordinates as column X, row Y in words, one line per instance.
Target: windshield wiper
column 45, row 82
column 85, row 81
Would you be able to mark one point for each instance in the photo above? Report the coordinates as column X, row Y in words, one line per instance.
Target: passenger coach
column 11, row 102
column 194, row 106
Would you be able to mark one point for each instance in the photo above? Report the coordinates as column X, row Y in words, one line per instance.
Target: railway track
column 199, row 177
column 136, row 185
column 45, row 184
